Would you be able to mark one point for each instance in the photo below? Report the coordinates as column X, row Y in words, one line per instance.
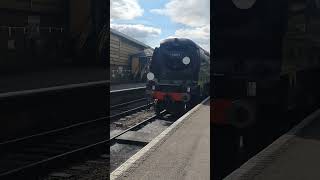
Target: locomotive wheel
column 242, row 114
column 195, row 98
column 158, row 112
column 158, row 108
column 189, row 106
column 184, row 108
column 179, row 109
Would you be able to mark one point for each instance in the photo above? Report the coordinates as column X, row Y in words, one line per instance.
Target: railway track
column 97, row 167
column 107, row 159
column 126, row 143
column 37, row 155
column 127, row 108
column 33, row 111
column 28, row 112
column 129, row 141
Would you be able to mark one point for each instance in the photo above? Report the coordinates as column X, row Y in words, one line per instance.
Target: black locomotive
column 263, row 56
column 265, row 65
column 179, row 75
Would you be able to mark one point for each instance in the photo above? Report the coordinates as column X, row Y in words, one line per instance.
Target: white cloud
column 200, row 35
column 137, row 31
column 125, row 9
column 192, row 13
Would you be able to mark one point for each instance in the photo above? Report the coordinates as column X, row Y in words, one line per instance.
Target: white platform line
column 54, row 88
column 134, row 161
column 128, row 89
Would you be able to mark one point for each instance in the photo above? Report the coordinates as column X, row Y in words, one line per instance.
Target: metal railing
column 121, row 75
column 27, row 29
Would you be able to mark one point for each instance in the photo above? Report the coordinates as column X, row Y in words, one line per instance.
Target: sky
column 151, row 21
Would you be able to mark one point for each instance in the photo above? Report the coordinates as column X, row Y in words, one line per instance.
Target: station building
column 128, row 56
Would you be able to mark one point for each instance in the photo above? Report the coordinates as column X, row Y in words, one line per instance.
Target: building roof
column 129, row 38
column 144, row 53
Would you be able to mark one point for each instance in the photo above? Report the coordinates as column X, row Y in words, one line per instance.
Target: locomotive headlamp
column 186, row 60
column 150, row 76
column 244, row 4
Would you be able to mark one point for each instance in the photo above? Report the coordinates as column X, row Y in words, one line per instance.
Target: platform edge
column 140, row 156
column 257, row 163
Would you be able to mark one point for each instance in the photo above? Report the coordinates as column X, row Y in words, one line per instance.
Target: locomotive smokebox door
column 244, row 4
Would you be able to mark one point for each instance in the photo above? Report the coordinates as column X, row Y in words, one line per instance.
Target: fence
column 121, row 75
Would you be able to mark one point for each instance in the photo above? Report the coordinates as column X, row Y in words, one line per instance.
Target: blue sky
column 150, row 21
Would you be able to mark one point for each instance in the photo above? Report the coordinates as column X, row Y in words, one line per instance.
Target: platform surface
column 294, row 156
column 114, row 87
column 50, row 78
column 62, row 76
column 185, row 155
column 136, row 136
column 300, row 159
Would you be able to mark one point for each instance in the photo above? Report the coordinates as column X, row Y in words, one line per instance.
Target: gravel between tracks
column 99, row 168
column 129, row 121
column 91, row 169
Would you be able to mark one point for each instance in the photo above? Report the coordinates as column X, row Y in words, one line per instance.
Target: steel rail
column 127, row 103
column 71, row 153
column 60, row 130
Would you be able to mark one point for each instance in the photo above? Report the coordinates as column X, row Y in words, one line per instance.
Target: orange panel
column 160, row 95
column 218, row 113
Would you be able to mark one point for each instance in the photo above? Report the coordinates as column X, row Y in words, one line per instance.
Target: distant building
column 139, row 64
column 122, row 49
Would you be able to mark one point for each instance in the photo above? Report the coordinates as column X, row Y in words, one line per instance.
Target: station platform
column 182, row 151
column 295, row 155
column 54, row 77
column 115, row 87
column 50, row 78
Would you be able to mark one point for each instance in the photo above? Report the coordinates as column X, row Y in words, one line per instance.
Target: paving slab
column 51, row 77
column 114, row 87
column 300, row 159
column 295, row 155
column 185, row 154
column 136, row 136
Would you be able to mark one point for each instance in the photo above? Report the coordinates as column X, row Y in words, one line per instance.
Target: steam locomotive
column 179, row 75
column 264, row 56
column 266, row 64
